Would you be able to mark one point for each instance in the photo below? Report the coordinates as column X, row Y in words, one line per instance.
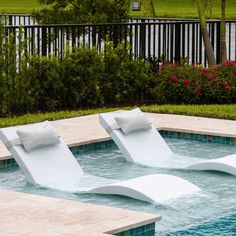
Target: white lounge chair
column 54, row 166
column 147, row 147
column 225, row 164
column 141, row 146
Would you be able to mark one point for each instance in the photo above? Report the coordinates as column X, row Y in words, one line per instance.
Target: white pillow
column 131, row 121
column 38, row 137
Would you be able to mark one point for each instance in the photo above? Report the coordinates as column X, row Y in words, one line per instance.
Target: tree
column 146, row 5
column 81, row 11
column 203, row 6
column 223, row 54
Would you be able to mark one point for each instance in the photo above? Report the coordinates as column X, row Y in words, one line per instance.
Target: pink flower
column 230, row 63
column 165, row 65
column 174, row 67
column 174, row 78
column 187, row 82
column 228, row 87
column 211, row 75
column 225, row 83
column 204, row 71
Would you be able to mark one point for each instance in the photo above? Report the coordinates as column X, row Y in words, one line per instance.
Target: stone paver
column 30, row 215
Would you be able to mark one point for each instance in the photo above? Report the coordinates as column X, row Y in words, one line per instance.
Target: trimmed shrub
column 12, row 62
column 190, row 84
column 82, row 71
column 219, row 83
column 126, row 80
column 42, row 83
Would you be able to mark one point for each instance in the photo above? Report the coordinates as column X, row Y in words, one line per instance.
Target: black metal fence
column 17, row 19
column 157, row 39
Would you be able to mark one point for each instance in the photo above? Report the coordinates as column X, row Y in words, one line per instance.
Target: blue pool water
column 213, row 212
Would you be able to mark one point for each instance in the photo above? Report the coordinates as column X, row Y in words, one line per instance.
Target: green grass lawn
column 187, row 9
column 211, row 111
column 18, row 6
column 164, row 8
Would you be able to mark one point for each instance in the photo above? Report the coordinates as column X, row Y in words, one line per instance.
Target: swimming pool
column 213, row 212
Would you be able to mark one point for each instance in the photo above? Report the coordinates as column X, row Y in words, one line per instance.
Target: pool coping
column 183, row 131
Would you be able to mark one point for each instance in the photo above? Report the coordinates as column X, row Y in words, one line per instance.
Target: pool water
column 212, row 212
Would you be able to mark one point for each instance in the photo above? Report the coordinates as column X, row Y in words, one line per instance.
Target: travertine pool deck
column 30, row 215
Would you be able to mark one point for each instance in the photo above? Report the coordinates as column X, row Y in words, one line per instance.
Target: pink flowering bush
column 194, row 84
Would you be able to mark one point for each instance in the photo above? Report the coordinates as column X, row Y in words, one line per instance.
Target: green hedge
column 83, row 78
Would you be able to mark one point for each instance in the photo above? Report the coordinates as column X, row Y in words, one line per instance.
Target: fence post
column 177, row 43
column 142, row 42
column 94, row 36
column 10, row 20
column 218, row 49
column 115, row 35
column 44, row 41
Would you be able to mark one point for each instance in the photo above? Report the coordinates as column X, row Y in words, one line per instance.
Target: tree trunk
column 223, row 50
column 208, row 47
column 205, row 36
column 148, row 7
column 152, row 9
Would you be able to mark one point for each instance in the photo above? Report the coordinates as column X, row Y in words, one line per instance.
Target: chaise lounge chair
column 47, row 161
column 225, row 164
column 141, row 143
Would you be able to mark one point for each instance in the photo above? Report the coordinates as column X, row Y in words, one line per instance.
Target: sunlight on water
column 215, row 205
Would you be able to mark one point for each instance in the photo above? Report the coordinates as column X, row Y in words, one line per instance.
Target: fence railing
column 27, row 19
column 155, row 39
column 17, row 19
